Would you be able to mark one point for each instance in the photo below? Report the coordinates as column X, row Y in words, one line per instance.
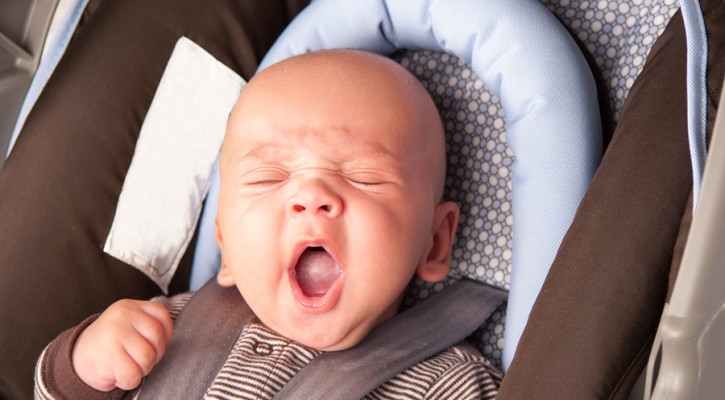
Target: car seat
column 23, row 28
column 549, row 322
column 121, row 50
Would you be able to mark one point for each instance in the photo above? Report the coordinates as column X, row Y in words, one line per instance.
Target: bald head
column 342, row 151
column 343, row 91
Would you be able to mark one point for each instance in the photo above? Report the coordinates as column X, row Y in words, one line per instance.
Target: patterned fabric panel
column 617, row 35
column 479, row 164
column 478, row 179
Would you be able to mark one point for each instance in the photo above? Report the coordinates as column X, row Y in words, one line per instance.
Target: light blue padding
column 696, row 90
column 207, row 256
column 522, row 53
column 52, row 51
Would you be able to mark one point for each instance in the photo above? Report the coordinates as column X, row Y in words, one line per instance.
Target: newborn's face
column 327, row 198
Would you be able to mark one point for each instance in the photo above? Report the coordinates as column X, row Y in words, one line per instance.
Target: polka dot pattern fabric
column 617, row 36
column 479, row 164
column 478, row 179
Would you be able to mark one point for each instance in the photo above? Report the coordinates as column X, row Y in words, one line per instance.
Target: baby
column 332, row 175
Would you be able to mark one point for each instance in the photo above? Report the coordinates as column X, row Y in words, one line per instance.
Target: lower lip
column 316, row 304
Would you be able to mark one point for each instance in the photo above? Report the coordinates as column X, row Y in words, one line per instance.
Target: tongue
column 316, row 271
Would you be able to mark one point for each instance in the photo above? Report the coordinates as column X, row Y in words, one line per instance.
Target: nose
column 316, row 198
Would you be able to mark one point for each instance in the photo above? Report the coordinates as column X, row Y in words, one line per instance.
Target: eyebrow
column 264, row 151
column 275, row 150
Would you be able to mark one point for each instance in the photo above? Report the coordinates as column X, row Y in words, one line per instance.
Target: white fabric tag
column 170, row 173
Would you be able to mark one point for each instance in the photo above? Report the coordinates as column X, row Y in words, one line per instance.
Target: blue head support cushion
column 522, row 54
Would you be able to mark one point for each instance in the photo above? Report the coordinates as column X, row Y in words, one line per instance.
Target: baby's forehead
column 339, row 147
column 377, row 108
column 339, row 74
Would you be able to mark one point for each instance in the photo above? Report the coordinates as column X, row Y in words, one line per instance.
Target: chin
column 327, row 342
column 326, row 339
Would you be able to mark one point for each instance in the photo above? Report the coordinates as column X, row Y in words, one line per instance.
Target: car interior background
column 77, row 78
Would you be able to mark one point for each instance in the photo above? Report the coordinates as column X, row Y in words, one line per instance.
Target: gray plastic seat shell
column 23, row 29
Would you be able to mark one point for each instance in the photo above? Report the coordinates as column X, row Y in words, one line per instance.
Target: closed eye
column 266, row 176
column 365, row 179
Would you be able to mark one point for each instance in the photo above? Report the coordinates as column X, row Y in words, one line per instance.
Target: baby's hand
column 122, row 345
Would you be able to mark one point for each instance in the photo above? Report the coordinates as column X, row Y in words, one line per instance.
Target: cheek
column 250, row 236
column 392, row 239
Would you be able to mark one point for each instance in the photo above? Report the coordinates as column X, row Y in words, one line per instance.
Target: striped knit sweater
column 262, row 362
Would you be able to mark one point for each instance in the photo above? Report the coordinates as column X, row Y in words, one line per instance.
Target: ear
column 224, row 277
column 437, row 261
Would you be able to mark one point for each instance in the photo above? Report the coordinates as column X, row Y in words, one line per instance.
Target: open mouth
column 316, row 272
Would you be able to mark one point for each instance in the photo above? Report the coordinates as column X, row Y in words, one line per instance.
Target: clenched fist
column 122, row 346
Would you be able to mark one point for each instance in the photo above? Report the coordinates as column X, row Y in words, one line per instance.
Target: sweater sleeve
column 55, row 377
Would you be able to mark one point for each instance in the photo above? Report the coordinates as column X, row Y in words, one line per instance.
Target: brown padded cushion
column 59, row 187
column 590, row 331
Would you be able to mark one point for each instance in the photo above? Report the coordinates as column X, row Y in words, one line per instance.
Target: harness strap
column 399, row 343
column 204, row 334
column 192, row 360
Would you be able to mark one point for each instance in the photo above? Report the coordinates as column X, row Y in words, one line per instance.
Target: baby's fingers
column 145, row 349
column 156, row 329
column 161, row 314
column 122, row 345
column 127, row 371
